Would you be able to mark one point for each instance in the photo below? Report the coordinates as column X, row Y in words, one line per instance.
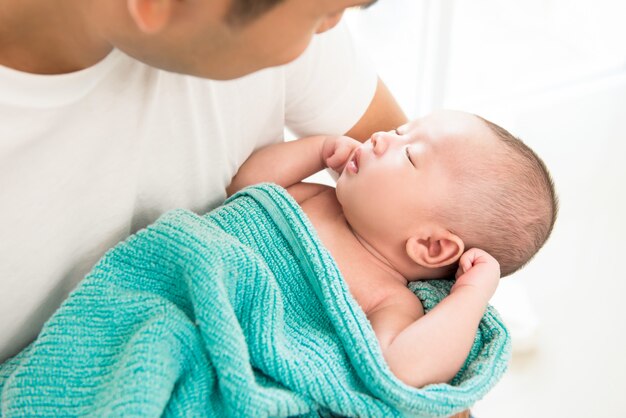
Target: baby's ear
column 435, row 249
column 150, row 16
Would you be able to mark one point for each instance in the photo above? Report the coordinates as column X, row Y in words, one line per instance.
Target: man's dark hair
column 244, row 11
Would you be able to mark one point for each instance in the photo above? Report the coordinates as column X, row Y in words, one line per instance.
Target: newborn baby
column 450, row 194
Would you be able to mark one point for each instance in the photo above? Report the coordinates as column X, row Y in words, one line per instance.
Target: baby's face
column 403, row 178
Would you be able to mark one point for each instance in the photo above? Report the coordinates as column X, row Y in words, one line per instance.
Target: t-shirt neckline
column 42, row 90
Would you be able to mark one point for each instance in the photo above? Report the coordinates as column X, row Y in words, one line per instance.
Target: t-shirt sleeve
column 330, row 86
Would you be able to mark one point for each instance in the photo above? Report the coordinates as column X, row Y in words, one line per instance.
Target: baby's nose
column 380, row 142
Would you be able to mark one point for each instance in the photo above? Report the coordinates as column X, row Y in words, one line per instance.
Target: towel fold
column 241, row 312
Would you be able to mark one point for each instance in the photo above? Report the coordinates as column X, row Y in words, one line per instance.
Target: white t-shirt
column 90, row 157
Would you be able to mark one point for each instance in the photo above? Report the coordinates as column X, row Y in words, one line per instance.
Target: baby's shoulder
column 303, row 191
column 394, row 313
column 401, row 299
column 318, row 201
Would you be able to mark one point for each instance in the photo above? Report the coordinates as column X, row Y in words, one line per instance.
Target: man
column 115, row 111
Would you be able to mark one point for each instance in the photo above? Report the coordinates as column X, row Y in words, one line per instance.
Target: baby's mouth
column 353, row 164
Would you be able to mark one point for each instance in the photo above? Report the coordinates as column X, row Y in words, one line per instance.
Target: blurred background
column 553, row 72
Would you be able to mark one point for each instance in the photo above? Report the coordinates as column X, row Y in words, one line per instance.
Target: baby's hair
column 513, row 203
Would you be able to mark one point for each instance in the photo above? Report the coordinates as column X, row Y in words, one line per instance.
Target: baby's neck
column 376, row 257
column 397, row 270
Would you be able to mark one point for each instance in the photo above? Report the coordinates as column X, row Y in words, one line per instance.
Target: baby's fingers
column 465, row 263
column 339, row 157
column 459, row 271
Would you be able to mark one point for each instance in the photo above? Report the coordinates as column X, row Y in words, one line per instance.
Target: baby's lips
column 351, row 167
column 353, row 163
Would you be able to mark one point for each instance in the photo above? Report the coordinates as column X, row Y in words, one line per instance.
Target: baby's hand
column 479, row 270
column 337, row 151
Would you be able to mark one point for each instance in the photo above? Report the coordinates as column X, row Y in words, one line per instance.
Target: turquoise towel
column 241, row 312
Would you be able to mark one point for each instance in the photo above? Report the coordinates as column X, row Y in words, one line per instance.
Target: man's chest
column 81, row 172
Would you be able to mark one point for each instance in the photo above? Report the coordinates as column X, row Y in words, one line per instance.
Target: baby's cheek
column 339, row 188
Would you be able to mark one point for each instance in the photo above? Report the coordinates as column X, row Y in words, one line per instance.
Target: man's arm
column 433, row 348
column 382, row 114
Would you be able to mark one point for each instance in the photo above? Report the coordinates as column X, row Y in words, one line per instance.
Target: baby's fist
column 337, row 151
column 479, row 270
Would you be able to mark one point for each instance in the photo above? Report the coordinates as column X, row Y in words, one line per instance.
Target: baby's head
column 445, row 183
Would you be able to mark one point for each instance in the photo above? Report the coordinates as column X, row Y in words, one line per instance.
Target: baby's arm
column 433, row 348
column 288, row 163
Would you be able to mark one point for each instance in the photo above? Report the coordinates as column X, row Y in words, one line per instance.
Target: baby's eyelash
column 408, row 155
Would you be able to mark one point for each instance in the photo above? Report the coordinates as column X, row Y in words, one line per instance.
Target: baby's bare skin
column 371, row 285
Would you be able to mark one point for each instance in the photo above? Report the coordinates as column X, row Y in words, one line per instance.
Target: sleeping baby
column 450, row 194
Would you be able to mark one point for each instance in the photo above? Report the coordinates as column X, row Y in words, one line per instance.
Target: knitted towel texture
column 241, row 312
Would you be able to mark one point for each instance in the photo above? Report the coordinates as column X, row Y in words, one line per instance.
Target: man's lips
column 353, row 164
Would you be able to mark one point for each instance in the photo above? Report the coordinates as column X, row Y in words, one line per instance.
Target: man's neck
column 49, row 37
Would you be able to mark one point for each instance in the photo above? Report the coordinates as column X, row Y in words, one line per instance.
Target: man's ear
column 150, row 16
column 438, row 249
